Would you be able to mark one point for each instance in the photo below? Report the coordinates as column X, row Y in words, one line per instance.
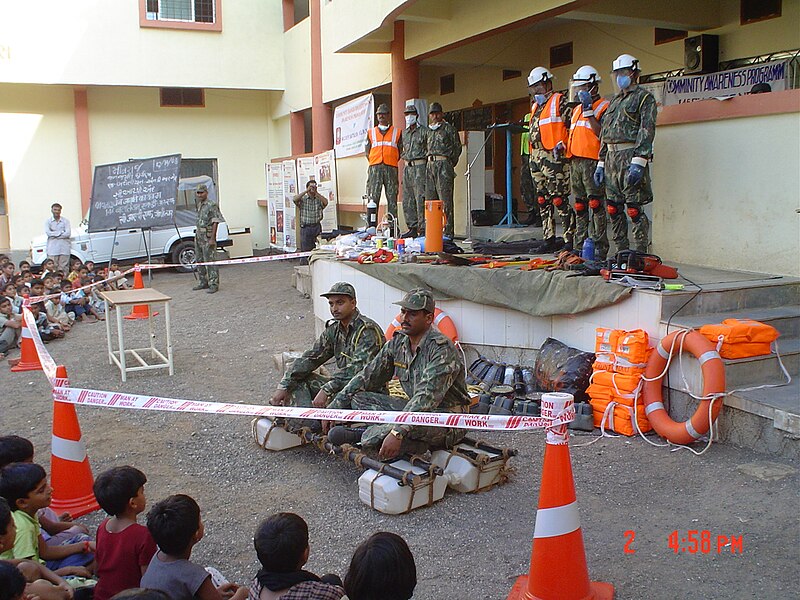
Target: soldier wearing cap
column 444, row 148
column 415, row 156
column 431, row 373
column 382, row 149
column 205, row 240
column 350, row 338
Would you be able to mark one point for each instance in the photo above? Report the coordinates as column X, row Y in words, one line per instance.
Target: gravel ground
column 467, row 546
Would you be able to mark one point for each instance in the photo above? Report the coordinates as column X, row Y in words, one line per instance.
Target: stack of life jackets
column 616, row 381
column 741, row 338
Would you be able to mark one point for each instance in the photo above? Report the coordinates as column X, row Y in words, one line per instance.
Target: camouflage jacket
column 631, row 117
column 414, row 143
column 432, row 377
column 444, row 141
column 352, row 348
column 534, row 136
column 207, row 213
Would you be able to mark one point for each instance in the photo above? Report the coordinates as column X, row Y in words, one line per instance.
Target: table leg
column 152, row 335
column 108, row 332
column 123, row 366
column 169, row 337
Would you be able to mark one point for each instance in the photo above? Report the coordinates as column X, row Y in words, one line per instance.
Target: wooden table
column 122, row 298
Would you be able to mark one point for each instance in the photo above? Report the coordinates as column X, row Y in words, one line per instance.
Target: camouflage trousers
column 418, row 440
column 414, row 181
column 589, row 206
column 441, row 177
column 205, row 252
column 383, row 176
column 551, row 178
column 620, row 195
column 526, row 187
column 302, row 393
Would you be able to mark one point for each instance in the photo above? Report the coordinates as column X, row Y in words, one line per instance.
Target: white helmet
column 539, row 74
column 586, row 74
column 626, row 61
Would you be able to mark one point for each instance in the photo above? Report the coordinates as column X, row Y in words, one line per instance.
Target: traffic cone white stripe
column 68, row 449
column 26, row 333
column 559, row 520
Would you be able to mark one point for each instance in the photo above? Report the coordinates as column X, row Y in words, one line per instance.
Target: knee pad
column 594, row 203
column 612, row 208
column 541, row 200
column 558, row 201
column 580, row 206
column 634, row 212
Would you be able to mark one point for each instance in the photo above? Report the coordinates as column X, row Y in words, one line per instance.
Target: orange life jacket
column 741, row 338
column 383, row 146
column 552, row 128
column 583, row 141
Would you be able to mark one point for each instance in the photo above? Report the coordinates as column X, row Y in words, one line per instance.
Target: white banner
column 275, row 203
column 325, row 167
column 286, row 221
column 734, row 82
column 351, row 121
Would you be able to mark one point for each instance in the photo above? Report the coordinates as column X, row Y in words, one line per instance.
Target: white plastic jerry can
column 467, row 475
column 386, row 495
column 270, row 436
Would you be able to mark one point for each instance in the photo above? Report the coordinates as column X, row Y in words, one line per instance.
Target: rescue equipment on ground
column 741, row 338
column 441, row 321
column 474, row 466
column 628, row 262
column 435, row 221
column 713, row 386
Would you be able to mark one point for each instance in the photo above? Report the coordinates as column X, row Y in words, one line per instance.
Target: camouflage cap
column 202, row 188
column 435, row 107
column 341, row 288
column 410, row 109
column 418, row 299
column 383, row 109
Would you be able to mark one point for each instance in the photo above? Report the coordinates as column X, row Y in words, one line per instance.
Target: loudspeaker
column 700, row 54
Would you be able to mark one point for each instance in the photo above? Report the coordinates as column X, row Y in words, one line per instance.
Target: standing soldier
column 415, row 158
column 444, row 148
column 549, row 125
column 583, row 150
column 205, row 240
column 626, row 137
column 527, row 188
column 382, row 150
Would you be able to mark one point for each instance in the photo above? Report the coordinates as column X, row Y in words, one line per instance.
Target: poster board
column 351, row 121
column 289, row 225
column 137, row 193
column 274, row 203
column 325, row 171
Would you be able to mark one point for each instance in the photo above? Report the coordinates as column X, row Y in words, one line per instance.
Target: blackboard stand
column 149, row 231
column 111, row 253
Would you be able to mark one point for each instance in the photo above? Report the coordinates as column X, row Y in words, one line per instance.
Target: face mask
column 383, row 127
column 623, row 81
column 540, row 99
column 435, row 125
column 410, row 120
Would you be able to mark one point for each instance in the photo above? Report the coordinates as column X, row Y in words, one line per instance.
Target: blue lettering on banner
column 679, row 90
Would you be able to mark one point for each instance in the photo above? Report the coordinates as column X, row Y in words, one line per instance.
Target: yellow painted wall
column 353, row 19
column 297, row 66
column 726, row 193
column 39, row 156
column 99, row 42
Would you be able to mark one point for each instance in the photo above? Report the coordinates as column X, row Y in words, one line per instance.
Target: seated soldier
column 350, row 338
column 430, row 371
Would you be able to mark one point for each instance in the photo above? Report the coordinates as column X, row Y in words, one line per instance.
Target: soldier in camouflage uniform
column 382, row 149
column 431, row 373
column 626, row 147
column 415, row 156
column 444, row 148
column 350, row 338
column 548, row 164
column 527, row 188
column 205, row 240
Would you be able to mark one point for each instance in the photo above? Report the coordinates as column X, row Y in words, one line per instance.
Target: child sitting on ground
column 382, row 567
column 25, row 488
column 10, row 327
column 73, row 269
column 23, row 292
column 24, row 265
column 56, row 312
column 47, row 331
column 281, row 543
column 89, row 264
column 74, row 302
column 121, row 283
column 92, row 300
column 124, row 548
column 176, row 526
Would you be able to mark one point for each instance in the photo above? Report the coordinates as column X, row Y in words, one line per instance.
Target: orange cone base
column 140, row 311
column 77, row 507
column 28, row 365
column 598, row 590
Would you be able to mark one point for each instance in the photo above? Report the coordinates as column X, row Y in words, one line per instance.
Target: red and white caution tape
column 48, row 364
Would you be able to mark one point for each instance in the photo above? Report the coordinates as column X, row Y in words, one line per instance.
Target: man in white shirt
column 58, row 233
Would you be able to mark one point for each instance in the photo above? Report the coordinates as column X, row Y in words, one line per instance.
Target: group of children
column 69, row 303
column 43, row 555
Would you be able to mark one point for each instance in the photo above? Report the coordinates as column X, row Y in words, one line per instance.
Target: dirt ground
column 467, row 546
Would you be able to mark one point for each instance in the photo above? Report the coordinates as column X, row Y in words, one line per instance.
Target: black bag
column 560, row 368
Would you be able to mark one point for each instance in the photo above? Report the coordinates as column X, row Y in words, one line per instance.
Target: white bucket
column 386, row 495
column 272, row 437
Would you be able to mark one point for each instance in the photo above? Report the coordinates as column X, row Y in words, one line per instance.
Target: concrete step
column 720, row 298
column 786, row 319
column 742, row 372
column 780, row 404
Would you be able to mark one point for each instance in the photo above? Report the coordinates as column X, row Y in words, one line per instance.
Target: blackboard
column 135, row 194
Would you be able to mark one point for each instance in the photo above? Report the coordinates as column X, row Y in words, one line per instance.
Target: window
column 663, row 36
column 561, row 55
column 181, row 14
column 511, row 74
column 759, row 10
column 183, row 97
column 447, row 84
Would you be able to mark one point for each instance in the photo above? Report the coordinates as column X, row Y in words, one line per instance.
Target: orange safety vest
column 551, row 124
column 582, row 140
column 383, row 146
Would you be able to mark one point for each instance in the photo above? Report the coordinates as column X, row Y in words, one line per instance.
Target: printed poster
column 351, row 121
column 325, row 170
column 286, row 222
column 275, row 203
column 735, row 82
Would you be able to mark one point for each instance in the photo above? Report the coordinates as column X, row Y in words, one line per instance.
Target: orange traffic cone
column 139, row 311
column 70, row 473
column 558, row 558
column 29, row 358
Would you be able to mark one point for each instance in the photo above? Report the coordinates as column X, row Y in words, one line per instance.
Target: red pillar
column 288, row 14
column 321, row 116
column 84, row 149
column 298, row 133
column 405, row 76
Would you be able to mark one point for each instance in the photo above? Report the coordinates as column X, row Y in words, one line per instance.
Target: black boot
column 411, row 233
column 340, row 434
